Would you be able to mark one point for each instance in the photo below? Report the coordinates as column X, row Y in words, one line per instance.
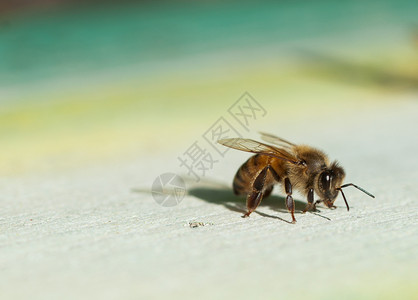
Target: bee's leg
column 253, row 200
column 276, row 177
column 259, row 190
column 311, row 205
column 316, row 202
column 290, row 203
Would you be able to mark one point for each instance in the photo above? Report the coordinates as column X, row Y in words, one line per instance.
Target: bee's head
column 329, row 182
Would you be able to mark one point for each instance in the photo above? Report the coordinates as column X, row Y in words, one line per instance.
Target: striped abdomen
column 246, row 174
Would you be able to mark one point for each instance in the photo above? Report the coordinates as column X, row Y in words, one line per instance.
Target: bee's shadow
column 225, row 197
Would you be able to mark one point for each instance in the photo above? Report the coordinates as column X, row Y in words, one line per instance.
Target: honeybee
column 297, row 167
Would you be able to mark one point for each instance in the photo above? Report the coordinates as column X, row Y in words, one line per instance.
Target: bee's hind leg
column 253, row 200
column 260, row 190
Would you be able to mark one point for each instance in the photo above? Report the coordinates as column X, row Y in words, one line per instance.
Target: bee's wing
column 270, row 138
column 249, row 145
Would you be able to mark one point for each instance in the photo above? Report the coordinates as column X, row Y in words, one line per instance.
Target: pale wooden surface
column 85, row 233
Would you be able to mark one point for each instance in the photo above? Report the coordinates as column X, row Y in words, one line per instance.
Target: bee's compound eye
column 325, row 180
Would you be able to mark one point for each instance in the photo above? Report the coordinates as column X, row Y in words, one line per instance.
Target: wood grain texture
column 86, row 234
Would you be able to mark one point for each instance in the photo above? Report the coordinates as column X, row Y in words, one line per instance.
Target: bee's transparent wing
column 270, row 138
column 249, row 145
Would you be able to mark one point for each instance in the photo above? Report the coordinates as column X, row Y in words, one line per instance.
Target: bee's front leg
column 311, row 205
column 290, row 203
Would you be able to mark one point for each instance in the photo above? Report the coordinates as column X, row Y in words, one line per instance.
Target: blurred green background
column 87, row 82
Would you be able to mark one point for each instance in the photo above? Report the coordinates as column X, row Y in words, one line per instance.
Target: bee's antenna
column 357, row 187
column 345, row 200
column 351, row 184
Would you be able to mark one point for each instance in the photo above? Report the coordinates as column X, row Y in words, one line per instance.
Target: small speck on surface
column 198, row 224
